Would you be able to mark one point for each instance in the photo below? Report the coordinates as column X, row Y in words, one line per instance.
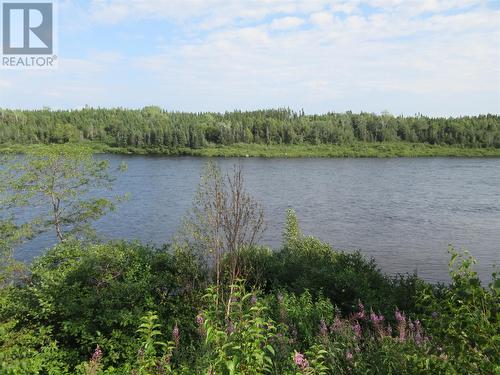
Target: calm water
column 402, row 212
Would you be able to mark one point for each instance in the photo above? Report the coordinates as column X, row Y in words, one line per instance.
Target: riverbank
column 355, row 150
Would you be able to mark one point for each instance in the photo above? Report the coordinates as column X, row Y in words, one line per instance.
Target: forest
column 152, row 127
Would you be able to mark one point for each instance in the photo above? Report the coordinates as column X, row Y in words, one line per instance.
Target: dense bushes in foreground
column 121, row 308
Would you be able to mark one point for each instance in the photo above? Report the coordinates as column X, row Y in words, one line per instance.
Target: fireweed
column 450, row 329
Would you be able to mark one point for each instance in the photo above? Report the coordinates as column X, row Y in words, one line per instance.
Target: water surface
column 403, row 212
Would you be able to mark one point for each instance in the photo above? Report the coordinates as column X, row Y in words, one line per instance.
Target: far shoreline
column 354, row 150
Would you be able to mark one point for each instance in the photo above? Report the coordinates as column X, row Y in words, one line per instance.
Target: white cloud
column 286, row 23
column 328, row 55
column 4, row 84
column 322, row 19
column 344, row 7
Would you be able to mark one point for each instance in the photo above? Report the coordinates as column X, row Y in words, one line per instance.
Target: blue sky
column 436, row 57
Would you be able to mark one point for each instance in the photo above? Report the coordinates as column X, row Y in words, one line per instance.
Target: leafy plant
column 239, row 343
column 154, row 356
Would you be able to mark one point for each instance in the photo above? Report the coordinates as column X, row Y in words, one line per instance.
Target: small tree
column 292, row 230
column 54, row 183
column 224, row 220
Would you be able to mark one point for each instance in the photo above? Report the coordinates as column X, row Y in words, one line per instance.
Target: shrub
column 237, row 334
column 465, row 318
column 306, row 263
column 96, row 294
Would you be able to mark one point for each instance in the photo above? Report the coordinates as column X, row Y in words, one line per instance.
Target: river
column 404, row 212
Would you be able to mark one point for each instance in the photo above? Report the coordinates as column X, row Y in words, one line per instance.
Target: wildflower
column 418, row 332
column 323, row 329
column 376, row 319
column 337, row 324
column 176, row 335
column 97, row 355
column 402, row 335
column 348, row 356
column 253, row 300
column 357, row 330
column 361, row 313
column 411, row 326
column 300, row 360
column 418, row 338
column 95, row 362
column 200, row 320
column 389, row 330
column 434, row 315
column 399, row 317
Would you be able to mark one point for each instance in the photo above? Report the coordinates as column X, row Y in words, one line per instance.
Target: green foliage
column 238, row 333
column 302, row 314
column 292, row 232
column 88, row 309
column 123, row 308
column 306, row 263
column 29, row 351
column 155, row 129
column 58, row 179
column 96, row 294
column 465, row 317
column 154, row 356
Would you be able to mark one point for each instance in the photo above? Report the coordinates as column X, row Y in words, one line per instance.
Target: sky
column 435, row 57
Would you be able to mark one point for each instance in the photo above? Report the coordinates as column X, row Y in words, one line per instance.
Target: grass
column 355, row 150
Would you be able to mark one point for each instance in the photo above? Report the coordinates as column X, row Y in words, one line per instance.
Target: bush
column 96, row 294
column 465, row 318
column 124, row 308
column 307, row 264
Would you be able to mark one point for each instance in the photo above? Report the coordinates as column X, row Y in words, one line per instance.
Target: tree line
column 154, row 127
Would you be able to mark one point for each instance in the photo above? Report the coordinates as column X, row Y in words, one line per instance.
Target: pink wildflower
column 399, row 317
column 97, row 355
column 323, row 329
column 361, row 313
column 357, row 330
column 301, row 361
column 176, row 335
column 337, row 325
column 389, row 330
column 200, row 320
